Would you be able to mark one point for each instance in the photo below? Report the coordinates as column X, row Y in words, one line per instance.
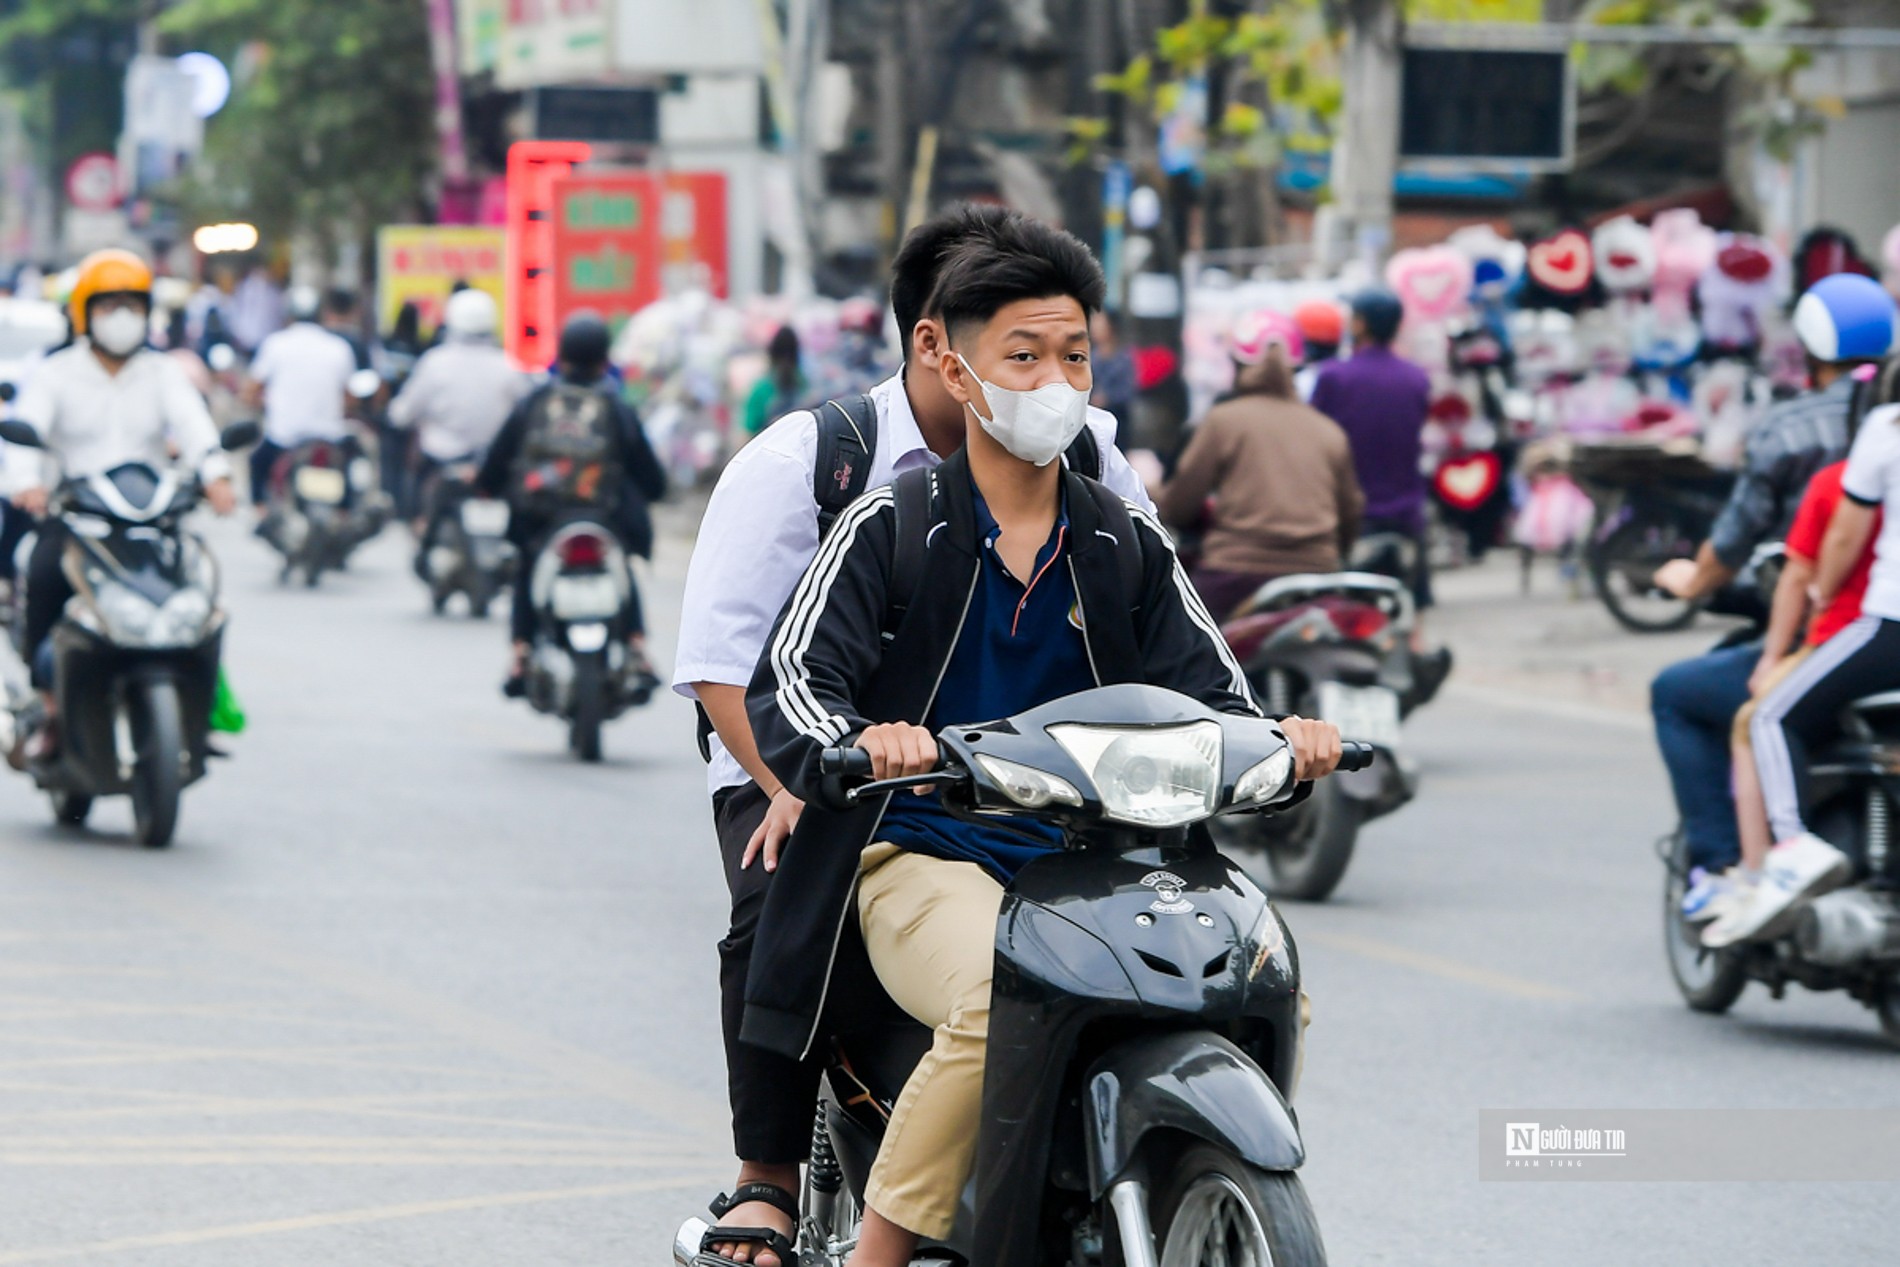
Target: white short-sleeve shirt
column 1873, row 478
column 305, row 371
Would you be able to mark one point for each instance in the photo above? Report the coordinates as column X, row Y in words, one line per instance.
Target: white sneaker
column 1710, row 894
column 1735, row 914
column 1800, row 867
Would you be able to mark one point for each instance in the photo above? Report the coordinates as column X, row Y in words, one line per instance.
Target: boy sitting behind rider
column 1019, row 602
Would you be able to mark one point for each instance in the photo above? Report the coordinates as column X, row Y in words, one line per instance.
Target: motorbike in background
column 1145, row 1030
column 1333, row 646
column 577, row 667
column 134, row 658
column 465, row 548
column 1845, row 939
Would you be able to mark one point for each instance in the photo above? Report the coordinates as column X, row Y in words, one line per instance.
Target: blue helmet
column 1381, row 310
column 1846, row 317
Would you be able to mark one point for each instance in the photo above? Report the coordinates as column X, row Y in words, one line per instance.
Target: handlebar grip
column 845, row 763
column 839, row 770
column 1356, row 756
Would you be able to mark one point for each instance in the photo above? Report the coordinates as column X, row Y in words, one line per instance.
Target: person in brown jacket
column 1280, row 475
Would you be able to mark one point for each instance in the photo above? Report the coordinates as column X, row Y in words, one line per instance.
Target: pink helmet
column 1255, row 332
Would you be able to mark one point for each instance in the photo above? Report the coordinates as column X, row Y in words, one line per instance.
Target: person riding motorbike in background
column 1286, row 499
column 1020, row 601
column 459, row 395
column 301, row 375
column 1380, row 400
column 1321, row 329
column 620, row 482
column 761, row 530
column 106, row 400
column 1694, row 702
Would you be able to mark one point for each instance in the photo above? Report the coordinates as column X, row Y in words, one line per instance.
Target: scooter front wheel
column 158, row 777
column 1219, row 1211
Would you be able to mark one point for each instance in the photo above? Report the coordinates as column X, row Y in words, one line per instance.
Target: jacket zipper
column 837, row 932
column 1087, row 646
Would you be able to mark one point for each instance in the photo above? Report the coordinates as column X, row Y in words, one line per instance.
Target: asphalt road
column 413, row 988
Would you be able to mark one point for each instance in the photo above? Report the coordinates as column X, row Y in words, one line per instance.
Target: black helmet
column 585, row 339
column 1381, row 311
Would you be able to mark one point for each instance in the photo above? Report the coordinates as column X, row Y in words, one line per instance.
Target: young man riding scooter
column 1020, row 596
column 759, row 533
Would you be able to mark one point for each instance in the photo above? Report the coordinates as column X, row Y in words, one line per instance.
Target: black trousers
column 772, row 1095
column 47, row 590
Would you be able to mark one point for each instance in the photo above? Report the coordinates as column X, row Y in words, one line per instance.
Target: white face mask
column 1035, row 426
column 119, row 332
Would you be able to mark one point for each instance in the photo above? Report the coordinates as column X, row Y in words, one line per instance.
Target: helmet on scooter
column 470, row 314
column 1319, row 322
column 304, row 303
column 1846, row 317
column 1256, row 332
column 108, row 272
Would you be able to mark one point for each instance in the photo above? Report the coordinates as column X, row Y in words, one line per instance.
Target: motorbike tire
column 1710, row 980
column 590, row 706
column 1620, row 565
column 158, row 777
column 70, row 809
column 1310, row 846
column 439, row 601
column 1216, row 1209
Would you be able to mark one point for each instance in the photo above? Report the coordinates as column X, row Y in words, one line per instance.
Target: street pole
column 1358, row 223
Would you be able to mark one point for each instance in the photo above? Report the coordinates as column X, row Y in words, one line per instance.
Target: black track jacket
column 825, row 676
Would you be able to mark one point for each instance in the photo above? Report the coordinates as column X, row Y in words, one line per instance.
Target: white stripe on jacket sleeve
column 795, row 633
column 1197, row 610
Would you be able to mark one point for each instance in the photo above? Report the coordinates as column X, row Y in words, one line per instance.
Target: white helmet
column 470, row 314
column 304, row 303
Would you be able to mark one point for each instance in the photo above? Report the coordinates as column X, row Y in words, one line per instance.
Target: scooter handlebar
column 1356, row 756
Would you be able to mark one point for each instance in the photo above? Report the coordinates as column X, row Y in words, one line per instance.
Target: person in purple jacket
column 1379, row 400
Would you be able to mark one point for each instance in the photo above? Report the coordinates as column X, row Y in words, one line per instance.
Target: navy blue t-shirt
column 1021, row 646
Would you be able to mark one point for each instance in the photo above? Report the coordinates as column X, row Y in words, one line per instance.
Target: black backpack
column 570, row 454
column 847, row 441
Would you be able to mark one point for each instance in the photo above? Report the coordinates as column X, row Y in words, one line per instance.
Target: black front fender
column 1194, row 1083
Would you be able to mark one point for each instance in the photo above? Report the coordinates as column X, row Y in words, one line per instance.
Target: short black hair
column 340, row 301
column 914, row 271
column 1025, row 259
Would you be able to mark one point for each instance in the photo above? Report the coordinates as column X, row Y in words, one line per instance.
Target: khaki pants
column 930, row 928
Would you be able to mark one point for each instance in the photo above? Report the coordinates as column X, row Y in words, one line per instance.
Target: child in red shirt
column 1778, row 659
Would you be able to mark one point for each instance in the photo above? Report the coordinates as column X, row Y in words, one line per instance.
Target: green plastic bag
column 227, row 715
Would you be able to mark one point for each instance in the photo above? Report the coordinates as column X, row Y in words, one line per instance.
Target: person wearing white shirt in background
column 759, row 533
column 460, row 392
column 301, row 374
column 105, row 400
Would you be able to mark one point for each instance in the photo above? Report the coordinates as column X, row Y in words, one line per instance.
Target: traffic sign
column 92, row 182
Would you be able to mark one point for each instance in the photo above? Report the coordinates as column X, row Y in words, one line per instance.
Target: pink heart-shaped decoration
column 1466, row 483
column 1562, row 263
column 1431, row 281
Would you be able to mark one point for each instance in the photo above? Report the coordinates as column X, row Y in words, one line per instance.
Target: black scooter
column 135, row 657
column 1145, row 1015
column 464, row 547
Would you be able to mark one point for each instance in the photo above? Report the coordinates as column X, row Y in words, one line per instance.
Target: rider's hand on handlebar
column 899, row 749
column 780, row 818
column 1316, row 748
column 31, row 500
column 221, row 496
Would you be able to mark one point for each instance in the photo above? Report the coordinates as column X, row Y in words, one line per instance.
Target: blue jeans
column 1694, row 704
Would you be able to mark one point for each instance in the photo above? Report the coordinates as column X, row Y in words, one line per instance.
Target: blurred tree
column 1759, row 78
column 330, row 130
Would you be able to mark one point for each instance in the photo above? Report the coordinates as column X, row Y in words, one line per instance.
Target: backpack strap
column 1085, row 454
column 919, row 507
column 847, row 440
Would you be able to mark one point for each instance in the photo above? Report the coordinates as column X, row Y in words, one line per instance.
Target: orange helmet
column 1320, row 322
column 108, row 272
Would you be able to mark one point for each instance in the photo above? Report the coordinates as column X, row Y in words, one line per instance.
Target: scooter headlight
column 1162, row 777
column 181, row 621
column 126, row 614
column 1027, row 786
column 1267, row 782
